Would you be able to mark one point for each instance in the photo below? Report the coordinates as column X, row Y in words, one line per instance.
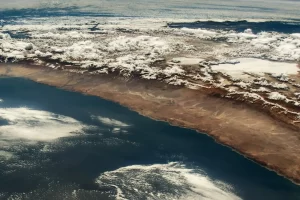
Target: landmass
column 241, row 88
column 245, row 128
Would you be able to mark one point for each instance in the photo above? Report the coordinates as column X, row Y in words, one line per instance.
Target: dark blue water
column 67, row 168
column 240, row 26
column 9, row 14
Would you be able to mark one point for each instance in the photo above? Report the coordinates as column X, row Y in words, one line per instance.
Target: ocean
column 56, row 144
column 188, row 9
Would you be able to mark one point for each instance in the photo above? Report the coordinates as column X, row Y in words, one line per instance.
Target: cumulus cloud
column 36, row 125
column 6, row 155
column 140, row 181
column 276, row 96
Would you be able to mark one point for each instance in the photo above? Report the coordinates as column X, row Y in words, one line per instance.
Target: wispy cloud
column 110, row 122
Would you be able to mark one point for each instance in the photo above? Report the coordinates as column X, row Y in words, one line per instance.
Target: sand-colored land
column 245, row 128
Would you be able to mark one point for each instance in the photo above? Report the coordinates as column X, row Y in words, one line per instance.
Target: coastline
column 250, row 132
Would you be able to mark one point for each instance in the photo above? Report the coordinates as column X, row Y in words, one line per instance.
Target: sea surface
column 201, row 9
column 56, row 144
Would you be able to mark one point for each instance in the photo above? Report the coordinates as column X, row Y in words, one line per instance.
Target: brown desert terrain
column 246, row 128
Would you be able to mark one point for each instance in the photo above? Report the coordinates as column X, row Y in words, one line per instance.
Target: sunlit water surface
column 56, row 144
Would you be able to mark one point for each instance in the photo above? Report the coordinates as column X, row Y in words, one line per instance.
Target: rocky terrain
column 242, row 88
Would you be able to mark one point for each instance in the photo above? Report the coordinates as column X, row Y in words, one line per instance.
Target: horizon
column 203, row 9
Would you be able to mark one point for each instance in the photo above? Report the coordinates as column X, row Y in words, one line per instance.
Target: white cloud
column 36, row 125
column 6, row 155
column 110, row 122
column 276, row 96
column 139, row 181
column 256, row 66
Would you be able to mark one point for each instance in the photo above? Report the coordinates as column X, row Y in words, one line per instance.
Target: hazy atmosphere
column 242, row 9
column 149, row 100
